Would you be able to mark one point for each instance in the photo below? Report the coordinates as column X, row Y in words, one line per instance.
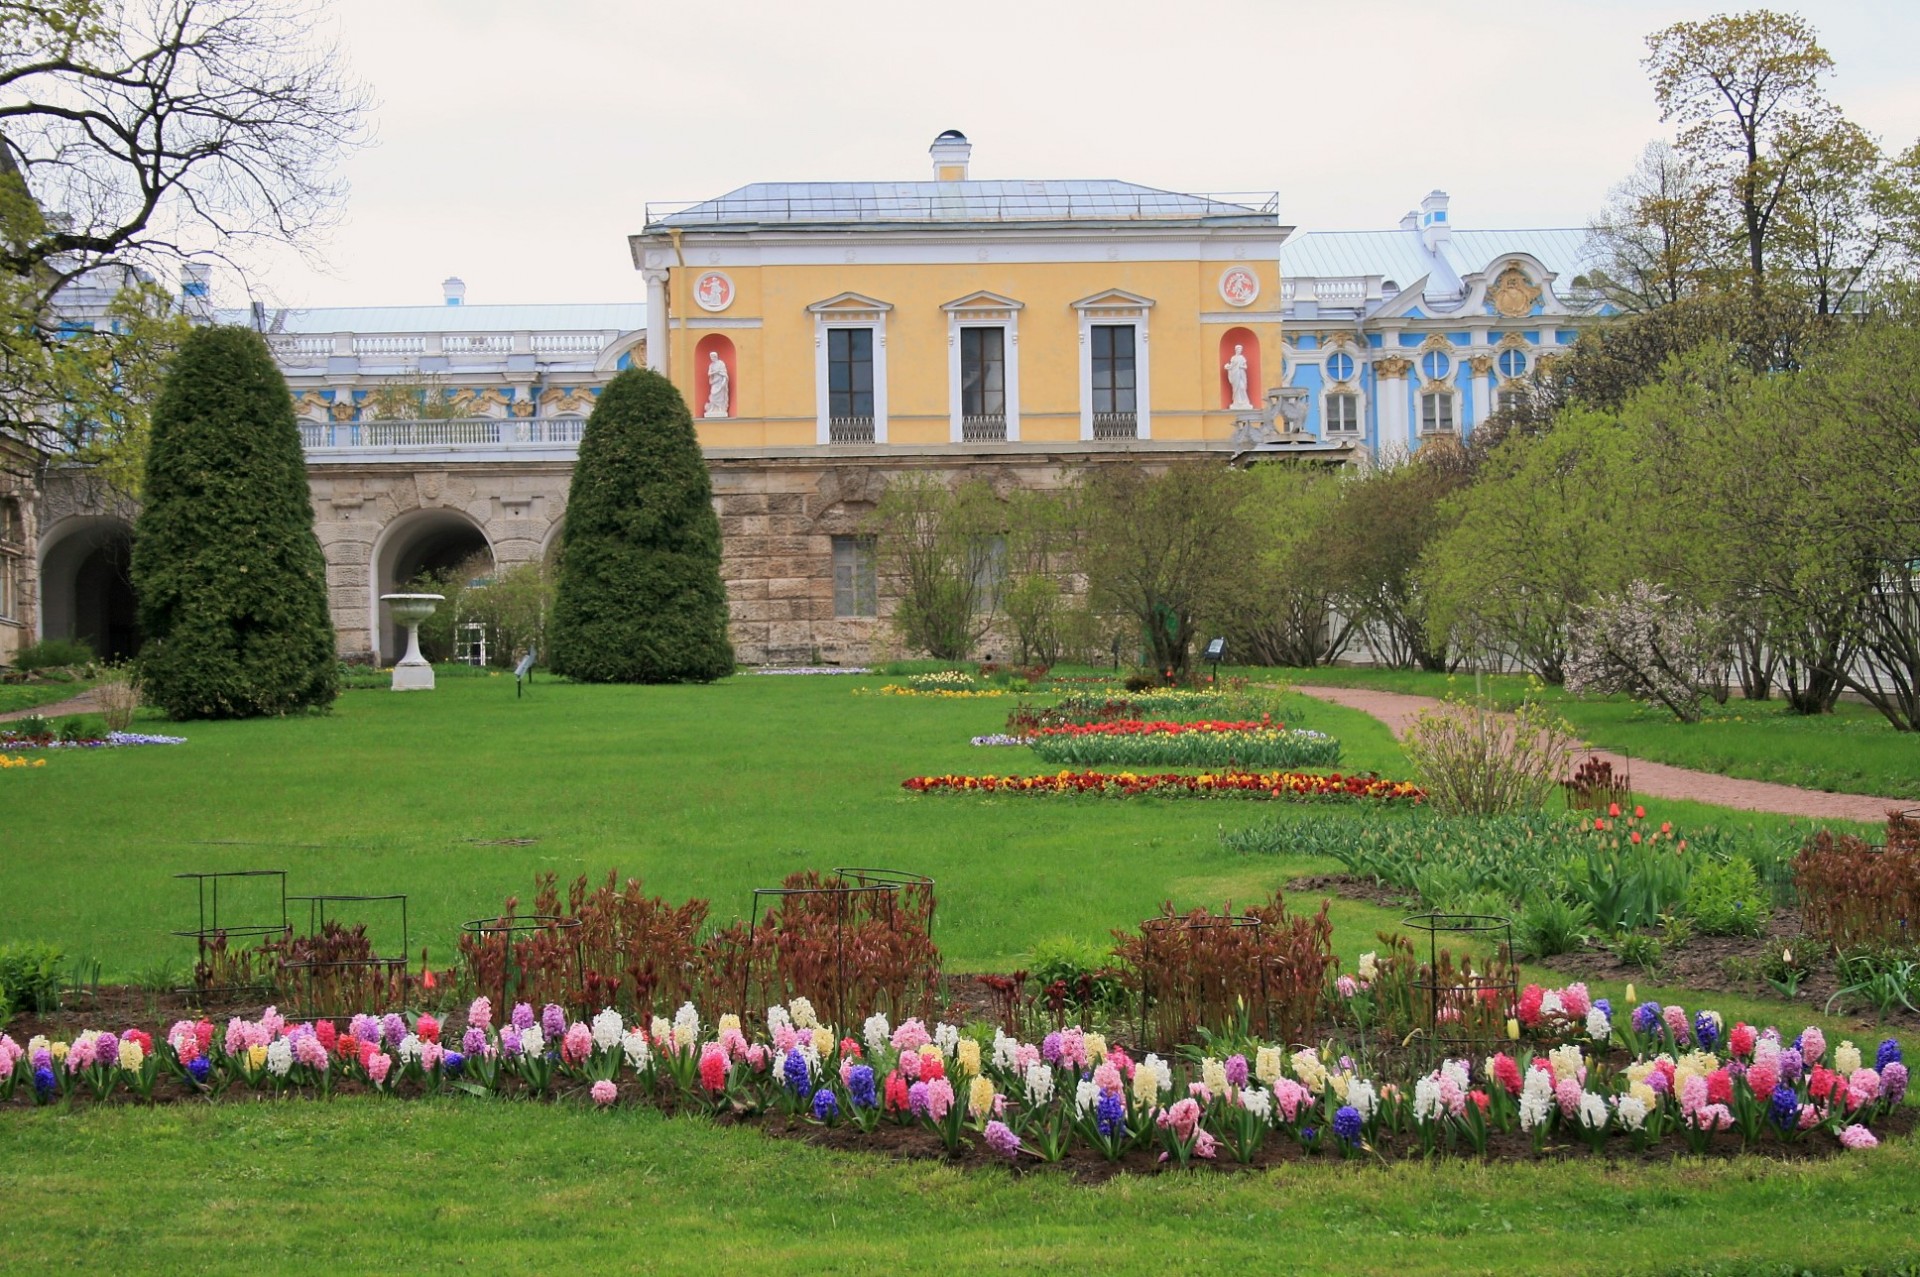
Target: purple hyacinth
column 106, row 1048
column 510, row 1041
column 1784, row 1111
column 1346, row 1124
column 795, row 1072
column 1889, row 1053
column 474, row 1041
column 1606, row 1005
column 199, row 1068
column 1706, row 1030
column 917, row 1099
column 392, row 1029
column 44, row 1081
column 1659, row 1082
column 1236, row 1070
column 553, row 1021
column 825, row 1106
column 1050, row 1048
column 1646, row 1018
column 1790, row 1063
column 1893, row 1082
column 1110, row 1113
column 365, row 1028
column 522, row 1016
column 452, row 1063
column 1002, row 1140
column 860, row 1087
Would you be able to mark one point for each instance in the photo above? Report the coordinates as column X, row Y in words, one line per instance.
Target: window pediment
column 1114, row 301
column 850, row 306
column 982, row 301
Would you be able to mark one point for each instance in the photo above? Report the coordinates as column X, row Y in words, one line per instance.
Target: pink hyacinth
column 605, row 1093
column 939, row 1098
column 1204, row 1145
column 1677, row 1022
column 1712, row 1117
column 1813, row 1046
column 1073, row 1048
column 1107, row 1078
column 1181, row 1118
column 431, row 1053
column 308, row 1051
column 1857, row 1136
column 1346, row 986
column 1124, row 1062
column 1025, row 1056
column 1863, row 1087
column 786, row 1037
column 577, row 1045
column 480, row 1014
column 1291, row 1097
column 272, row 1023
column 757, row 1057
column 1693, row 1094
column 1576, row 1000
column 911, row 1036
column 379, row 1064
column 734, row 1043
column 1762, row 1079
column 1742, row 1040
column 1567, row 1093
column 1199, row 1091
column 910, row 1064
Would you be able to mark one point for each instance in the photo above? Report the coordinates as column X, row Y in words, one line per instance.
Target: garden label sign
column 524, row 670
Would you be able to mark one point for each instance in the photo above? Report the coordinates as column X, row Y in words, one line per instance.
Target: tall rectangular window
column 6, row 585
column 1509, row 401
column 1113, row 369
column 850, row 372
column 1343, row 414
column 983, row 372
column 855, row 588
column 1436, row 414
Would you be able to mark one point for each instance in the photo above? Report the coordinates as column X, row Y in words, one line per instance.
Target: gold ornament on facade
column 522, row 408
column 1392, row 366
column 311, row 401
column 1512, row 341
column 341, row 410
column 1437, row 341
column 1480, row 364
column 1512, row 294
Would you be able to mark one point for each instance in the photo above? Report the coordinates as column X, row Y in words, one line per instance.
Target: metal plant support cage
column 211, row 936
column 1903, row 829
column 309, row 984
column 507, row 928
column 1443, row 1031
column 846, row 885
column 1150, row 928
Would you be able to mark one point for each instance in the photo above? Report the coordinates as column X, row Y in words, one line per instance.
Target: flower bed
column 941, row 693
column 815, row 669
column 8, row 762
column 112, row 740
column 1654, row 1081
column 1297, row 786
column 1202, row 743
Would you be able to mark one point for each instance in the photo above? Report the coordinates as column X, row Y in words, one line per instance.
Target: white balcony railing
column 464, row 432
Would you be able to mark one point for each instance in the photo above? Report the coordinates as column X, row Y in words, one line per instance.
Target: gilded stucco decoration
column 1392, row 366
column 1481, row 365
column 1512, row 294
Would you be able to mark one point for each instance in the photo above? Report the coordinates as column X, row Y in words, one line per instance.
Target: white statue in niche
column 1237, row 378
column 717, row 390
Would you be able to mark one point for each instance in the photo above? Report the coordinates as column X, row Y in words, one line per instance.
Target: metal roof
column 1402, row 255
column 622, row 317
column 869, row 203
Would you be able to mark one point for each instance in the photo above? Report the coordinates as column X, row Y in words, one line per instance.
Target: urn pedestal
column 411, row 673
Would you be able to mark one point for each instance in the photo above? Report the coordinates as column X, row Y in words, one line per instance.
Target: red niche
column 703, row 381
column 1250, row 351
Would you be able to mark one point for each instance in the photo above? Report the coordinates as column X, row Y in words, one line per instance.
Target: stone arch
column 418, row 541
column 86, row 586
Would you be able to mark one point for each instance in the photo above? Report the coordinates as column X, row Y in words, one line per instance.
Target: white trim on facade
column 1116, row 306
column 849, row 310
column 983, row 310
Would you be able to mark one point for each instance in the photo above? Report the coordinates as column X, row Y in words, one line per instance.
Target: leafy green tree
column 230, row 578
column 944, row 546
column 1164, row 549
column 640, row 598
column 1656, row 236
column 1386, row 520
column 1283, row 608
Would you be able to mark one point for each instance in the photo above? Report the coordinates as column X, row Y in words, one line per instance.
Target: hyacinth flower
column 1246, row 1119
column 826, row 1106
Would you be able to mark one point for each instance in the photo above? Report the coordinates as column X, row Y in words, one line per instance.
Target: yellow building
column 964, row 316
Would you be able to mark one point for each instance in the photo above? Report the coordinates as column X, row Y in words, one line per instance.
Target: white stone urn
column 411, row 673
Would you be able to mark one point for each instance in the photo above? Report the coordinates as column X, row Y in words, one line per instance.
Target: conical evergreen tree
column 230, row 578
column 640, row 598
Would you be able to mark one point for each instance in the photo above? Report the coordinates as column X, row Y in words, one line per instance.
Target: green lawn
column 17, row 696
column 712, row 791
column 1852, row 750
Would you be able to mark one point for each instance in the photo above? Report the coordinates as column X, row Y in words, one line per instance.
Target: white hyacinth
column 634, row 1043
column 1631, row 1112
column 1593, row 1111
column 1361, row 1096
column 1162, row 1075
column 1006, row 1050
column 1369, row 966
column 1459, row 1072
column 778, row 1019
column 1266, row 1064
column 1598, row 1026
column 607, row 1028
column 1086, row 1095
column 686, row 1027
column 946, row 1037
column 1550, row 1004
column 801, row 1009
column 409, row 1049
column 1257, row 1102
column 1039, row 1084
column 533, row 1041
column 878, row 1034
column 1536, row 1100
column 1427, row 1104
column 279, row 1057
column 660, row 1030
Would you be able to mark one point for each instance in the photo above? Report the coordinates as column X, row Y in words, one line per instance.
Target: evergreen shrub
column 640, row 599
column 230, row 579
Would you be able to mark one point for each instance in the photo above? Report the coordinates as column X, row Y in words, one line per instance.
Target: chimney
column 196, row 292
column 454, row 289
column 1433, row 221
column 950, row 151
column 1411, row 222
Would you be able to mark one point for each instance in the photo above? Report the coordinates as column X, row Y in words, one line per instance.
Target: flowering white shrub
column 1650, row 645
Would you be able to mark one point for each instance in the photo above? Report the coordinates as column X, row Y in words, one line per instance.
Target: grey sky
column 518, row 143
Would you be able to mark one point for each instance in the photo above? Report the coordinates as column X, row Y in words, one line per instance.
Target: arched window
column 1513, row 364
column 1435, row 365
column 1340, row 366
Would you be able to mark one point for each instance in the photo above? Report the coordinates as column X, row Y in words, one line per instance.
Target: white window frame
column 983, row 310
column 1116, row 306
column 1359, row 410
column 1452, row 400
column 849, row 310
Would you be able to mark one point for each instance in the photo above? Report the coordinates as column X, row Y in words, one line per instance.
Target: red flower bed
column 1231, row 784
